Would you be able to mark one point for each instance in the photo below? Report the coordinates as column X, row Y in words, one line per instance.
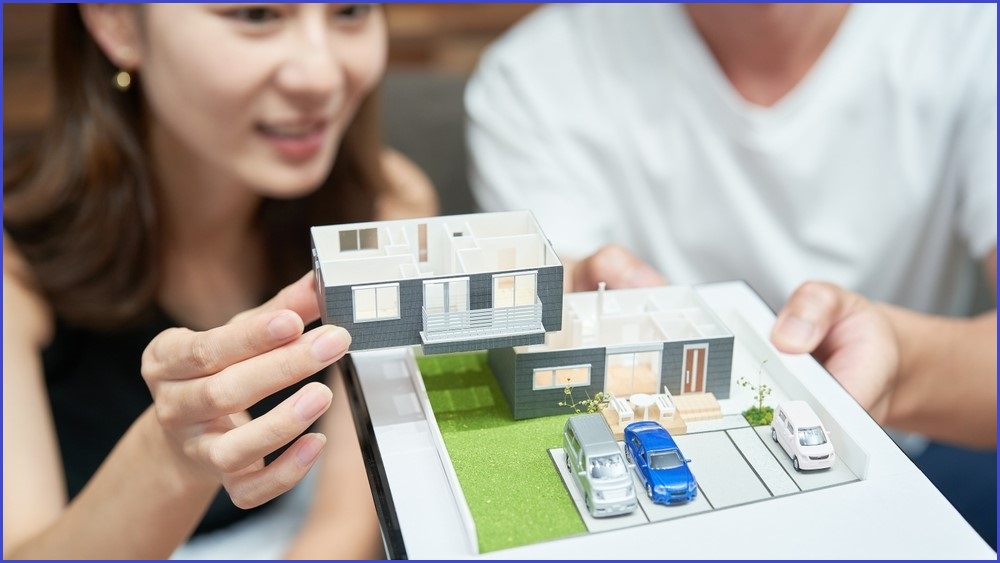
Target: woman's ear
column 115, row 28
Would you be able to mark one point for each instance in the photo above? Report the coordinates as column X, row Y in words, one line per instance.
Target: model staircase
column 697, row 406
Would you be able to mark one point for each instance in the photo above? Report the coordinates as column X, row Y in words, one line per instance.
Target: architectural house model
column 492, row 281
column 622, row 342
column 451, row 284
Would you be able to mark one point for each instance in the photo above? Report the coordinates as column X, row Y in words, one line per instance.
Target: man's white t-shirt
column 615, row 124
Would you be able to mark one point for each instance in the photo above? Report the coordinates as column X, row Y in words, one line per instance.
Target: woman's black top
column 96, row 392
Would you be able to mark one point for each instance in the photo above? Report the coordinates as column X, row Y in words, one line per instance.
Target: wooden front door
column 693, row 371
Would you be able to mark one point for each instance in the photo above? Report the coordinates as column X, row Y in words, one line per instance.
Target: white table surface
column 642, row 401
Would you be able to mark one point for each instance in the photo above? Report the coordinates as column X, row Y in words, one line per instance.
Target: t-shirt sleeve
column 524, row 153
column 977, row 139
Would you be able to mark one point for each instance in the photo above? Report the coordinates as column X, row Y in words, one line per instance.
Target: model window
column 569, row 376
column 514, row 290
column 359, row 239
column 422, row 242
column 632, row 372
column 790, row 429
column 446, row 296
column 376, row 303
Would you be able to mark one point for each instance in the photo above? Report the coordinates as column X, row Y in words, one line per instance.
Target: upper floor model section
column 451, row 284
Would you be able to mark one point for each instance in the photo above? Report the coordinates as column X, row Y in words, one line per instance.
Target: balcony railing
column 482, row 323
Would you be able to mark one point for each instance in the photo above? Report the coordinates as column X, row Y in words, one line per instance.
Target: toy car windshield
column 607, row 467
column 664, row 460
column 812, row 436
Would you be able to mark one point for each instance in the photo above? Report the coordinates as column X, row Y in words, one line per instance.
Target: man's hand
column 851, row 336
column 614, row 265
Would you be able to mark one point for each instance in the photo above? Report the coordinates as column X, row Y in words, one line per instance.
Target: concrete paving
column 733, row 463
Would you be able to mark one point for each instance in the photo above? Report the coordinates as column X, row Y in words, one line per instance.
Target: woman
column 191, row 148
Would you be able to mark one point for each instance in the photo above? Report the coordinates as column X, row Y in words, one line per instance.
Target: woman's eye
column 354, row 11
column 254, row 14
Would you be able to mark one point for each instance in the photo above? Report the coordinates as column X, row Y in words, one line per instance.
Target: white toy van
column 804, row 438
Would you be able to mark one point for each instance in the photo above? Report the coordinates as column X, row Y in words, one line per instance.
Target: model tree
column 594, row 404
column 758, row 414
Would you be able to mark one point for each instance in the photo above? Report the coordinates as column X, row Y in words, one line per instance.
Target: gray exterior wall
column 404, row 331
column 550, row 293
column 718, row 369
column 502, row 362
column 515, row 373
column 483, row 343
column 516, row 383
column 337, row 307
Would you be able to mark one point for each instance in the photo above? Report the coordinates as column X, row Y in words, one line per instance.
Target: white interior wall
column 527, row 252
column 470, row 260
column 678, row 328
column 438, row 250
column 488, row 225
column 365, row 270
column 628, row 329
column 327, row 239
column 516, row 230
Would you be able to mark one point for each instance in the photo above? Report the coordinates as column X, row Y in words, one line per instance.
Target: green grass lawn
column 512, row 488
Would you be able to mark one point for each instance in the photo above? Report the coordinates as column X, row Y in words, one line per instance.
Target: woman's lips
column 295, row 141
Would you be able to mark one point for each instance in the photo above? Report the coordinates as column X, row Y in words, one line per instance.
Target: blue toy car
column 660, row 465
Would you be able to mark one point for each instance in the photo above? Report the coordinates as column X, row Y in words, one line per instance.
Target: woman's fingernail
column 283, row 327
column 310, row 448
column 312, row 402
column 331, row 344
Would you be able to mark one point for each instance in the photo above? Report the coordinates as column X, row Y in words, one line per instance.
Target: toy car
column 801, row 434
column 595, row 462
column 659, row 463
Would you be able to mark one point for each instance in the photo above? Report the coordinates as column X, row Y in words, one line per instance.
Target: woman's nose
column 312, row 68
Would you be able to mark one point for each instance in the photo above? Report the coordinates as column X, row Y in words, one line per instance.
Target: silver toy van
column 595, row 461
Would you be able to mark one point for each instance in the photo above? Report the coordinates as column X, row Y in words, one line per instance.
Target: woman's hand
column 851, row 336
column 203, row 382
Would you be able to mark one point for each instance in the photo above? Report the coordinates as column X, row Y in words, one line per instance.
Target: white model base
column 874, row 504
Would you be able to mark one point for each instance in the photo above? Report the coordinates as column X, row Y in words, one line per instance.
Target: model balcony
column 457, row 326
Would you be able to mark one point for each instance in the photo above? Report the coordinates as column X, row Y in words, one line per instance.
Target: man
column 778, row 144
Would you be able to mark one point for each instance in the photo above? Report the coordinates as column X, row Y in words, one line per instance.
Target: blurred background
column 432, row 50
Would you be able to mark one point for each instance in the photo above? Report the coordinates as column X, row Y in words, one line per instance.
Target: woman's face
column 257, row 94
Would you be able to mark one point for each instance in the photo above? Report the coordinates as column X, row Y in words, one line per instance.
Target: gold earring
column 122, row 80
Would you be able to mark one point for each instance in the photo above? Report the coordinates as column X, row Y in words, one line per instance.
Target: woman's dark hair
column 82, row 207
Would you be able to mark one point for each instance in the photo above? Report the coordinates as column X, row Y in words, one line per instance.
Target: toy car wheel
column 649, row 491
column 795, row 463
column 586, row 500
column 628, row 455
column 568, row 466
column 774, row 435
